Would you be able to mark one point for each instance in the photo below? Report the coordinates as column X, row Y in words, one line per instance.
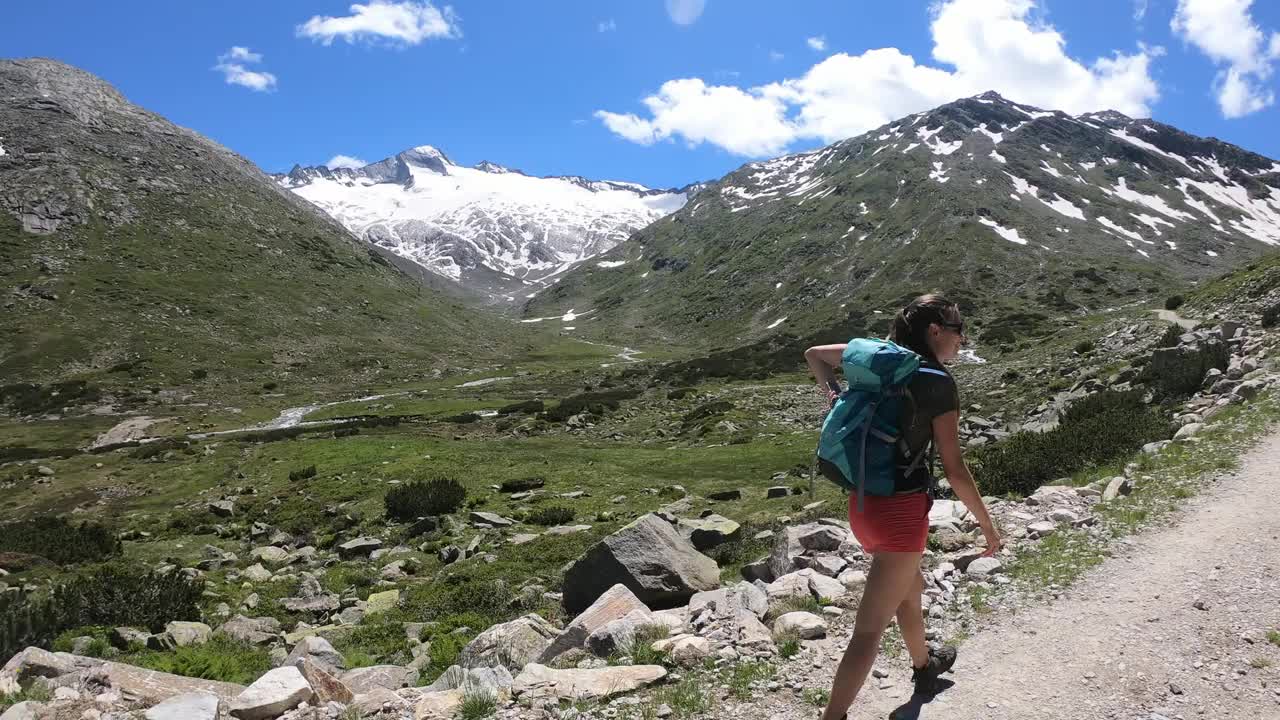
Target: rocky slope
column 495, row 231
column 131, row 245
column 1009, row 208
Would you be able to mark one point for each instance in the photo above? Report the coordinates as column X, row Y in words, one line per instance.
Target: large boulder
column 188, row 706
column 495, row 681
column 804, row 625
column 791, row 544
column 511, row 644
column 541, row 682
column 271, row 695
column 616, row 602
column 440, row 705
column 805, row 582
column 390, row 677
column 617, row 636
column 188, row 633
column 359, row 547
column 318, row 650
column 324, row 685
column 733, row 615
column 710, row 531
column 252, row 631
column 1181, row 370
column 648, row 556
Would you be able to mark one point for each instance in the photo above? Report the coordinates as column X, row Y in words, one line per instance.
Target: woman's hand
column 994, row 542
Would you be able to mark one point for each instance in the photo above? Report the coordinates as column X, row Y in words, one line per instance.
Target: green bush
column 110, row 596
column 1084, row 346
column 420, row 498
column 29, row 399
column 551, row 515
column 528, row 407
column 594, row 402
column 221, row 659
column 1094, row 431
column 302, row 473
column 1173, row 302
column 443, row 652
column 1171, row 337
column 59, row 540
column 1271, row 315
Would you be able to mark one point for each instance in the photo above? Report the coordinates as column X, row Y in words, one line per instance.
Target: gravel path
column 1175, row 626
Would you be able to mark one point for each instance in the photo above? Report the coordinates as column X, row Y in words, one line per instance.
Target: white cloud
column 1225, row 32
column 232, row 66
column 817, row 43
column 405, row 22
column 1140, row 9
column 775, row 56
column 606, row 26
column 989, row 44
column 345, row 161
column 685, row 12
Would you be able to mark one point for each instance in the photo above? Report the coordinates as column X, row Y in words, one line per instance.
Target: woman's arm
column 946, row 438
column 823, row 360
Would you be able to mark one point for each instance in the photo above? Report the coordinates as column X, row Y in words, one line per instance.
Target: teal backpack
column 861, row 448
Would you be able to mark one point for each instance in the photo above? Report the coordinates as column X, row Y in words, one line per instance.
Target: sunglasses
column 958, row 327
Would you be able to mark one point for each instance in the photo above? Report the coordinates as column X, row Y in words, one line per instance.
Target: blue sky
column 662, row 92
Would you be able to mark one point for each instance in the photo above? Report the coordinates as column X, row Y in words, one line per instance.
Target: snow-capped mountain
column 1018, row 211
column 493, row 230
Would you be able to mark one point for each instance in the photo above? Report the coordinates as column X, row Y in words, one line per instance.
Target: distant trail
column 1126, row 641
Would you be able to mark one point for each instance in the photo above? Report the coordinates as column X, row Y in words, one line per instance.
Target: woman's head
column 931, row 326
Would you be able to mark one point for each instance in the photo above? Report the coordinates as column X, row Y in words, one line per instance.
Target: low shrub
column 1084, row 347
column 58, row 540
column 109, row 597
column 527, row 407
column 30, row 399
column 420, row 498
column 1173, row 302
column 1271, row 316
column 302, row 473
column 1171, row 336
column 594, row 402
column 551, row 515
column 220, row 659
column 465, row 418
column 1094, row 431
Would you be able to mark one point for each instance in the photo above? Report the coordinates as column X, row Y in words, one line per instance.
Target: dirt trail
column 1175, row 626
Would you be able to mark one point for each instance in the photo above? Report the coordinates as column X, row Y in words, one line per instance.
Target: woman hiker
column 893, row 529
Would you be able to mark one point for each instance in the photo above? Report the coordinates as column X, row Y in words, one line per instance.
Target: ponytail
column 911, row 325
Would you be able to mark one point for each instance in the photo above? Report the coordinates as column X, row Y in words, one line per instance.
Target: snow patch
column 1065, row 207
column 862, row 210
column 776, row 323
column 1139, row 142
column 996, row 137
column 1107, row 222
column 938, row 173
column 1088, row 165
column 1155, row 202
column 611, row 263
column 1210, row 253
column 1050, row 169
column 1010, row 234
column 997, row 157
column 1151, row 221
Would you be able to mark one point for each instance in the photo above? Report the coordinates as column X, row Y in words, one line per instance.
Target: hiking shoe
column 926, row 678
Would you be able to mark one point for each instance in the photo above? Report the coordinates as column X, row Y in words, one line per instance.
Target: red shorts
column 897, row 523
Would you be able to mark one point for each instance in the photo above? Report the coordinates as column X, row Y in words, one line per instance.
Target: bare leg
column 911, row 623
column 891, row 577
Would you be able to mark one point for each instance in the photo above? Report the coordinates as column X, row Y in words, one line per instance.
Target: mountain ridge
column 495, row 231
column 1010, row 208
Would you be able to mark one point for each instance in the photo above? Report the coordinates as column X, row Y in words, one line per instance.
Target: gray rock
column 359, row 547
column 269, row 554
column 389, row 677
column 1188, row 430
column 253, row 631
column 188, row 633
column 649, row 557
column 494, row 681
column 537, row 682
column 379, row 700
column 1041, row 529
column 725, row 495
column 616, row 602
column 271, row 695
column 1180, row 370
column 222, row 508
column 491, row 519
column 450, row 554
column 25, row 710
column 319, row 651
column 256, row 574
column 190, row 706
column 708, row 532
column 511, row 644
column 777, row 491
column 1119, row 485
column 323, row 684
column 1249, row 389
column 617, row 635
column 984, row 566
column 804, row 625
column 122, row 637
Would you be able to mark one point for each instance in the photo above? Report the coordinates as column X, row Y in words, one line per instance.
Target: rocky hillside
column 1013, row 210
column 495, row 231
column 135, row 252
